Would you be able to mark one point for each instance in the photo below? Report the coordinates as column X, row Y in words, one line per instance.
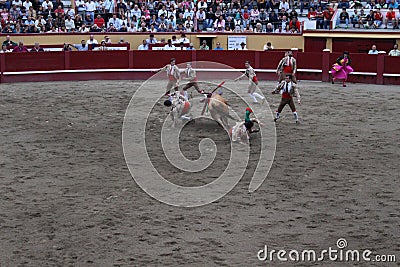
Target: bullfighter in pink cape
column 341, row 68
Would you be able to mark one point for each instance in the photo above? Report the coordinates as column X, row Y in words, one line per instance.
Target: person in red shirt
column 391, row 16
column 296, row 23
column 20, row 48
column 99, row 21
column 312, row 14
column 378, row 17
column 328, row 14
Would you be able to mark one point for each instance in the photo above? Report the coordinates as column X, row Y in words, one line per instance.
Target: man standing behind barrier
column 287, row 66
column 173, row 75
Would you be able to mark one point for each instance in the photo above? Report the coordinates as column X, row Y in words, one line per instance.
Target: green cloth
column 247, row 117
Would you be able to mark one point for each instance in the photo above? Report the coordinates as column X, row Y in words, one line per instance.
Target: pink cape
column 341, row 71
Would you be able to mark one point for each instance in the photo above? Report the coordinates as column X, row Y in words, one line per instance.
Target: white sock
column 186, row 95
column 296, row 116
column 258, row 95
column 253, row 97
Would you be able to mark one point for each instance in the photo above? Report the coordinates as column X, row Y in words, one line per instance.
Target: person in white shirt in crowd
column 90, row 9
column 107, row 39
column 47, row 6
column 109, row 6
column 174, row 40
column 69, row 24
column 284, row 4
column 82, row 46
column 162, row 11
column 169, row 45
column 188, row 13
column 114, row 21
column 40, row 22
column 132, row 28
column 268, row 46
column 202, row 4
column 18, row 3
column 27, row 4
column 151, row 39
column 84, row 29
column 70, row 12
column 183, row 39
column 143, row 46
column 201, row 17
column 373, row 50
column 81, row 7
column 135, row 12
column 92, row 40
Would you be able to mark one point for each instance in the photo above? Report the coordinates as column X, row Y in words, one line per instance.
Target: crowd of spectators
column 48, row 16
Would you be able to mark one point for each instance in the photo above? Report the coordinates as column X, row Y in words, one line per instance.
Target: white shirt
column 94, row 41
column 47, row 5
column 27, row 5
column 91, row 6
column 167, row 47
column 143, row 47
column 184, row 40
column 69, row 24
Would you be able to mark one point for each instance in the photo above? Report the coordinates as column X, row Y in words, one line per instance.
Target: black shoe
column 275, row 119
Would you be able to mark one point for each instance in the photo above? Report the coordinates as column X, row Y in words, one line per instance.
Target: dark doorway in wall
column 361, row 45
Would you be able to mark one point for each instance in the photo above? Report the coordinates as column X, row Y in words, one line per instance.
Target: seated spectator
column 269, row 28
column 355, row 18
column 67, row 47
column 312, row 14
column 393, row 4
column 4, row 49
column 370, row 18
column 328, row 15
column 99, row 21
column 303, row 3
column 382, row 5
column 102, row 46
column 151, row 39
column 69, row 24
column 37, row 48
column 295, row 23
column 190, row 47
column 281, row 29
column 20, row 48
column 201, row 17
column 82, row 46
column 111, row 28
column 183, row 39
column 268, row 46
column 169, row 45
column 219, row 23
column 373, row 50
column 391, row 17
column 320, row 18
column 181, row 46
column 395, row 52
column 204, row 46
column 8, row 42
column 209, row 19
column 116, row 23
column 258, row 28
column 362, row 19
column 218, row 46
column 378, row 19
column 242, row 46
column 343, row 18
column 92, row 40
column 245, row 16
column 189, row 23
column 254, row 15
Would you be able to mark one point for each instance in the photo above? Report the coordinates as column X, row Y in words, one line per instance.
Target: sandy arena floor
column 68, row 199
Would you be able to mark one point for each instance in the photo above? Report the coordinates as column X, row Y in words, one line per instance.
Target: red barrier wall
column 90, row 65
